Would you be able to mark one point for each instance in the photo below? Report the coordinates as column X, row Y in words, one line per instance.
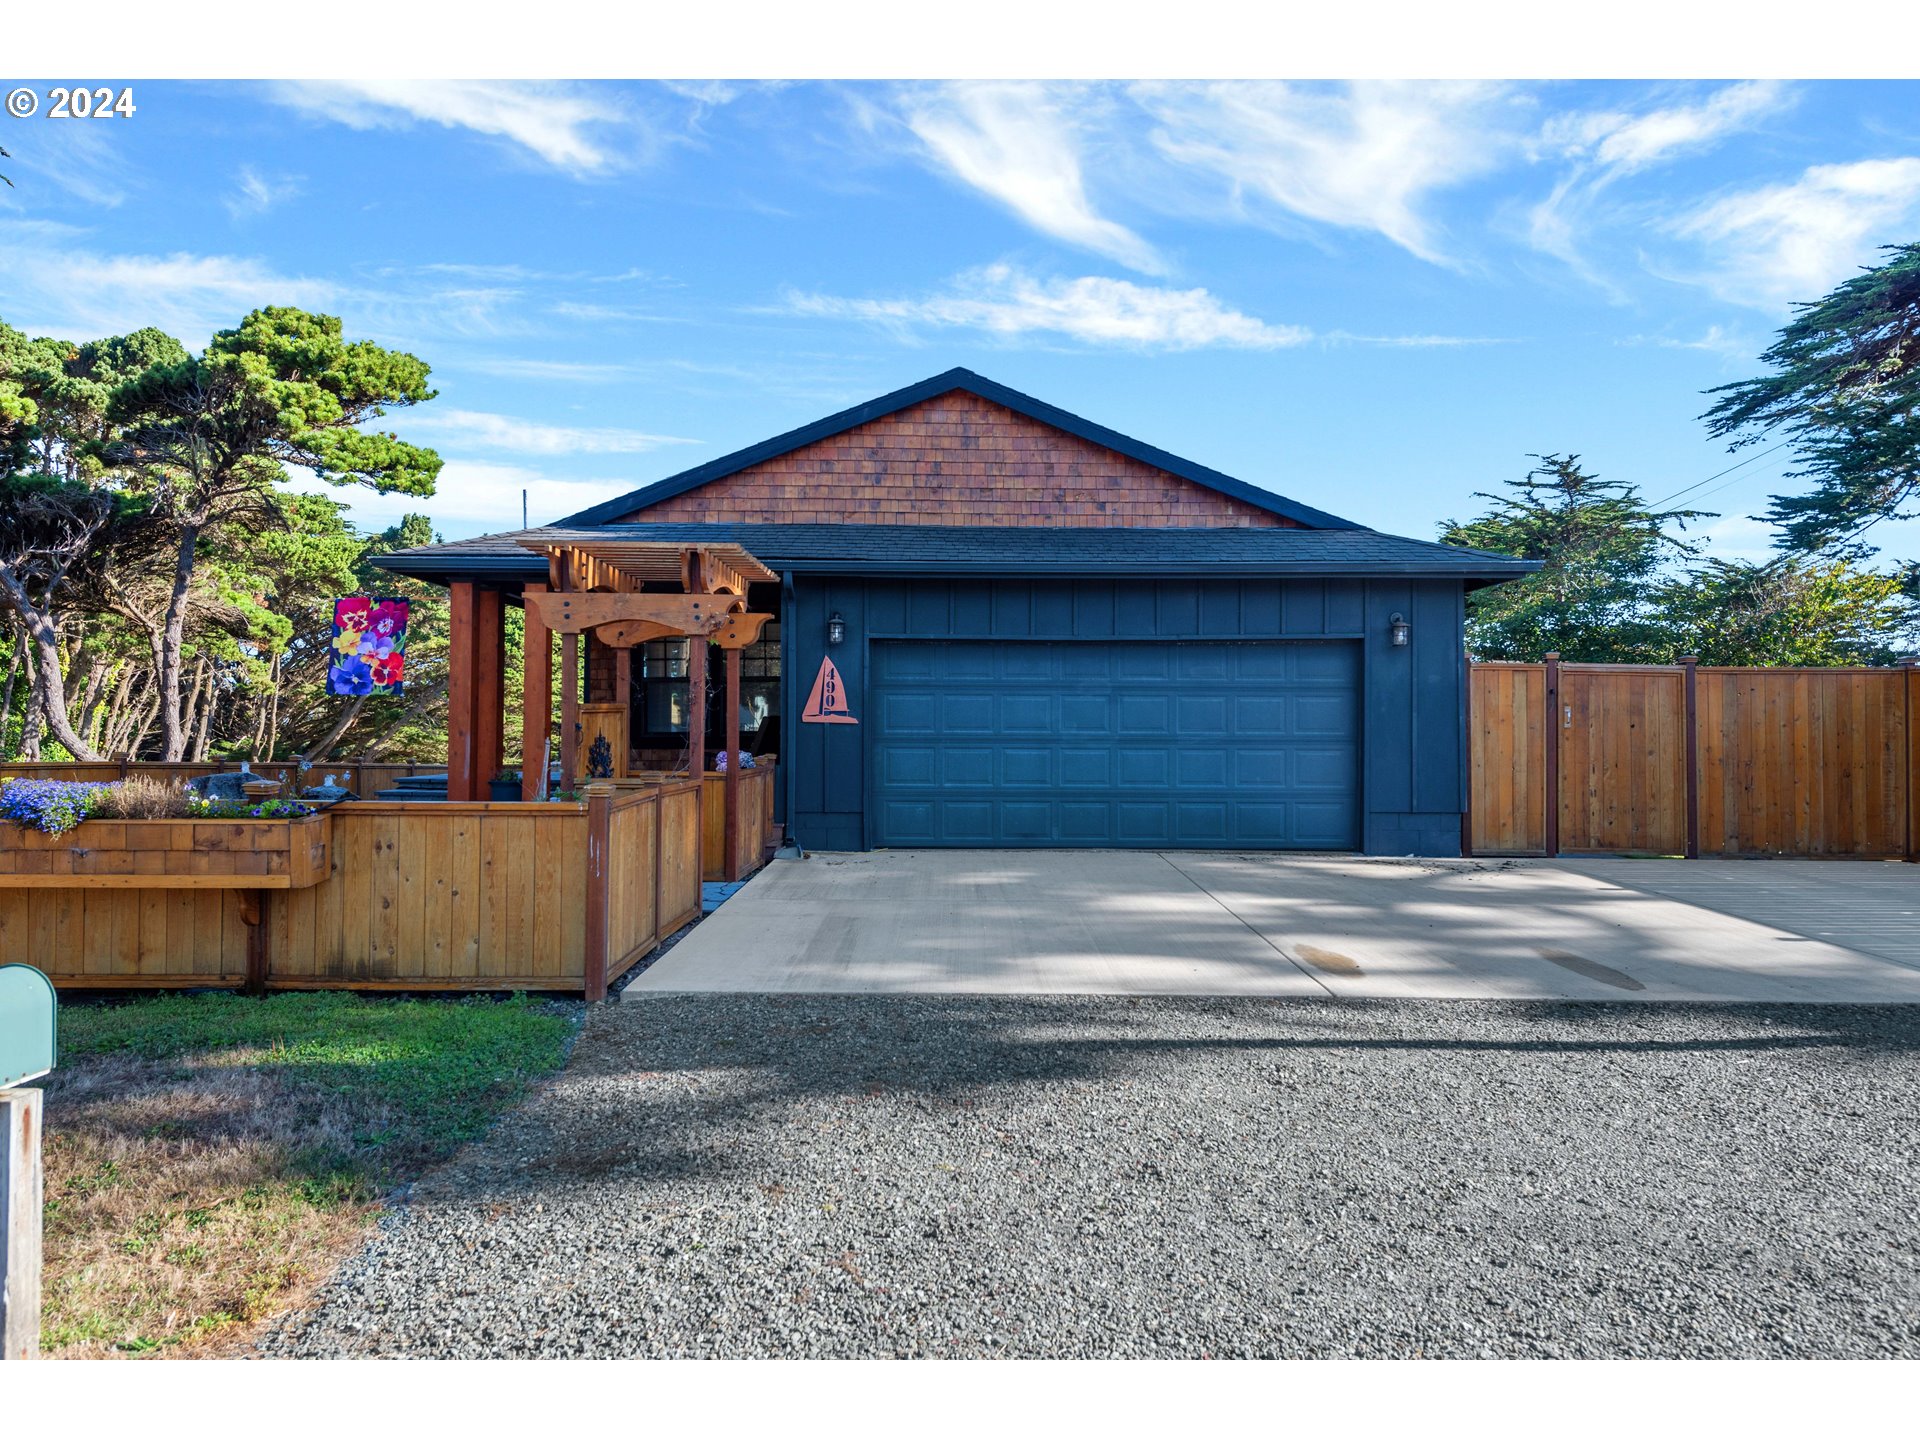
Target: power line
column 1711, row 478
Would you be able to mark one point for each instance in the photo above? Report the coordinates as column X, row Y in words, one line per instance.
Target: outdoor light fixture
column 1398, row 630
column 837, row 629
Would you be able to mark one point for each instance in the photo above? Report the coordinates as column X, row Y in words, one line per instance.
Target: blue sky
column 1375, row 298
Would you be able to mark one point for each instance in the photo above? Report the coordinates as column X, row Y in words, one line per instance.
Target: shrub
column 143, row 797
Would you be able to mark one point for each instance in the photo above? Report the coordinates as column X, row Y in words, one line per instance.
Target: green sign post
column 29, row 1029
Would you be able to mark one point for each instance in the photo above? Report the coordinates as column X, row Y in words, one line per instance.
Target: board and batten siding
column 1413, row 736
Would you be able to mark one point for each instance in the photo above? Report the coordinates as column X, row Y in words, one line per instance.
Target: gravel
column 726, row 1175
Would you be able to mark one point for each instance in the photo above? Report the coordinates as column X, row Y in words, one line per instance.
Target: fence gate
column 1684, row 759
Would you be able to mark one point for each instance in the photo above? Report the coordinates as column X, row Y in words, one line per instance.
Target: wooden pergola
column 622, row 593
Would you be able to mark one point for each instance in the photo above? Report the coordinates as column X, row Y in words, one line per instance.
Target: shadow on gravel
column 941, row 1045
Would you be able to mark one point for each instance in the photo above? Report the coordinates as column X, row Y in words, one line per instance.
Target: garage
column 1187, row 744
column 998, row 623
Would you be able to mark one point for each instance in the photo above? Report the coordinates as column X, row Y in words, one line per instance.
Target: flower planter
column 287, row 854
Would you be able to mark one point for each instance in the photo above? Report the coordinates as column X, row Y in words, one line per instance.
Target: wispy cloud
column 1004, row 301
column 473, row 497
column 80, row 294
column 1772, row 246
column 570, row 372
column 567, row 126
column 1366, row 156
column 1606, row 146
column 533, row 437
column 255, row 194
column 1021, row 144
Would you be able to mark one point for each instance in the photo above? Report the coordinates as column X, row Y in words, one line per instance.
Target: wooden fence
column 1693, row 760
column 365, row 778
column 419, row 896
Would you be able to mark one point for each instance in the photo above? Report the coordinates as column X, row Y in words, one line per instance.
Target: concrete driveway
column 1189, row 923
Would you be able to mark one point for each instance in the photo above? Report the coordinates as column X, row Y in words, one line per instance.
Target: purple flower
column 350, row 677
column 55, row 806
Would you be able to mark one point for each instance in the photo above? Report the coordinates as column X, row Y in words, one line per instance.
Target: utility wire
column 1711, row 478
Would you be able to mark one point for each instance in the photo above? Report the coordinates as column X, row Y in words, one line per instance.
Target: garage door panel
column 1145, row 714
column 1081, row 768
column 1100, row 743
column 1086, row 715
column 964, row 714
column 1022, row 765
column 1196, row 715
column 1031, row 714
column 966, row 767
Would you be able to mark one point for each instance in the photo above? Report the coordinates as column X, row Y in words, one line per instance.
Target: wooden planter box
column 171, row 854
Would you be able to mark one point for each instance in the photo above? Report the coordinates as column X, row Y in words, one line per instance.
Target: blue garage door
column 1179, row 744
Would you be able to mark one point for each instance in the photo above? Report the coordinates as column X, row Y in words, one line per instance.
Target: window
column 661, row 700
column 662, row 683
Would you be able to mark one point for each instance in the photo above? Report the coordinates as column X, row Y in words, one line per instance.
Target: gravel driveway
column 1079, row 1176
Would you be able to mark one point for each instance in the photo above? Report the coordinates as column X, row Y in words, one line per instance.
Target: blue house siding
column 1412, row 738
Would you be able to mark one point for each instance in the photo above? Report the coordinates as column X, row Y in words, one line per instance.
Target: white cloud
column 473, row 497
column 255, row 194
column 570, row 372
column 1784, row 243
column 1624, row 143
column 80, row 294
column 561, row 124
column 1095, row 310
column 532, row 437
column 1021, row 143
column 1607, row 146
column 1365, row 156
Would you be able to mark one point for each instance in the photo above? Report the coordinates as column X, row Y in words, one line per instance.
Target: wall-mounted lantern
column 837, row 628
column 1399, row 632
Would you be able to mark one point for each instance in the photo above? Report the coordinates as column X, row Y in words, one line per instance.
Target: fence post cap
column 1689, row 660
column 598, row 787
column 1551, row 655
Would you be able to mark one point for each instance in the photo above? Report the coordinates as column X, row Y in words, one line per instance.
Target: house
column 1020, row 628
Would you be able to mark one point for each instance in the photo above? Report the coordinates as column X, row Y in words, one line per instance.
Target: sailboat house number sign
column 827, row 704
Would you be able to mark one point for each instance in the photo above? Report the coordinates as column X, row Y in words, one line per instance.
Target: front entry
column 1175, row 744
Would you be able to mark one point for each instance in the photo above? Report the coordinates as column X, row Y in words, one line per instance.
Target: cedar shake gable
column 957, row 449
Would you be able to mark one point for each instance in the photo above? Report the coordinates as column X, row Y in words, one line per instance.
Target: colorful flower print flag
column 369, row 646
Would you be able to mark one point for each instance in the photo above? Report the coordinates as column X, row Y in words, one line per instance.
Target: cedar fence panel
column 1768, row 761
column 1623, row 767
column 1507, row 715
column 1804, row 762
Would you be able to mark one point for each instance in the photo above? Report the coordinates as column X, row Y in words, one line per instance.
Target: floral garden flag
column 369, row 646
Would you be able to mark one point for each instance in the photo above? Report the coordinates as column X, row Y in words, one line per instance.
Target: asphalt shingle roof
column 995, row 550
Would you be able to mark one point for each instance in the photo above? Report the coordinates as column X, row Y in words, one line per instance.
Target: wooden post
column 253, row 914
column 1552, row 757
column 462, row 662
column 490, row 691
column 536, row 701
column 569, row 706
column 730, row 821
column 1690, row 663
column 623, row 693
column 1910, row 671
column 697, row 708
column 20, row 1200
column 1466, row 799
column 599, row 823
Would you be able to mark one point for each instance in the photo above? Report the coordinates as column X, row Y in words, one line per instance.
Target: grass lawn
column 209, row 1157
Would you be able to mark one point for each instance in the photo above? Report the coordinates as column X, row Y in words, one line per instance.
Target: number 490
column 79, row 102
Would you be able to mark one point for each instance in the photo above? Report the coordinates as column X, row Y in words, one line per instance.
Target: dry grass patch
column 209, row 1158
